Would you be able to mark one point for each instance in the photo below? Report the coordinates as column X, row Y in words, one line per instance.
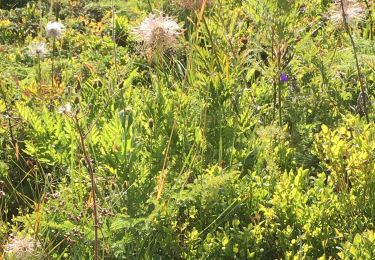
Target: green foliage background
column 190, row 158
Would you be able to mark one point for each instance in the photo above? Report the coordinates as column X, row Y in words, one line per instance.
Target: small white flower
column 353, row 10
column 55, row 29
column 158, row 33
column 65, row 109
column 38, row 50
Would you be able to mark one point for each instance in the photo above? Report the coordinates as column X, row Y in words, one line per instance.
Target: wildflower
column 55, row 29
column 192, row 4
column 22, row 248
column 65, row 109
column 353, row 11
column 158, row 33
column 284, row 77
column 38, row 50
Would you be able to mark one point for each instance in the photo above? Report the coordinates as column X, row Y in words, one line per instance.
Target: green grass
column 193, row 149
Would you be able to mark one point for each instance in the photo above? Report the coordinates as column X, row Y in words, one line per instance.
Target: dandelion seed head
column 353, row 10
column 158, row 33
column 38, row 50
column 55, row 29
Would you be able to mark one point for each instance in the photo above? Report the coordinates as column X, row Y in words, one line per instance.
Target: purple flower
column 283, row 77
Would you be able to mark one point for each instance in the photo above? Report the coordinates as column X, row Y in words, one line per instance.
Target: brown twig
column 90, row 168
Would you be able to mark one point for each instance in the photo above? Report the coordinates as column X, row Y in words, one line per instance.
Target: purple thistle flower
column 283, row 77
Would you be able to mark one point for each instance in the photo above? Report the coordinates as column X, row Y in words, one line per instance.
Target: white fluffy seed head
column 22, row 248
column 38, row 50
column 54, row 29
column 353, row 11
column 66, row 110
column 158, row 33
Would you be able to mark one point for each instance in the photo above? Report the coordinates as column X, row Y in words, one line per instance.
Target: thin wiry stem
column 53, row 59
column 163, row 173
column 114, row 41
column 274, row 83
column 279, row 97
column 278, row 57
column 371, row 36
column 274, row 99
column 363, row 88
column 40, row 19
column 90, row 169
column 39, row 73
column 8, row 112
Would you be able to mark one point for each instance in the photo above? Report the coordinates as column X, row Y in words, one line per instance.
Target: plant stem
column 274, row 101
column 279, row 97
column 53, row 59
column 7, row 109
column 39, row 73
column 371, row 34
column 40, row 18
column 363, row 89
column 114, row 41
column 90, row 169
column 274, row 83
column 149, row 6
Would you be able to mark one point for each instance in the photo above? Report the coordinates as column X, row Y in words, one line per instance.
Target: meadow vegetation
column 187, row 129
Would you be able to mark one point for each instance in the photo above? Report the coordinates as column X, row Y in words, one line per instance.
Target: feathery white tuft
column 22, row 248
column 38, row 50
column 65, row 109
column 55, row 29
column 353, row 10
column 158, row 33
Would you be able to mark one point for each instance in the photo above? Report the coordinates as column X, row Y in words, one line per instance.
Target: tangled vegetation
column 187, row 129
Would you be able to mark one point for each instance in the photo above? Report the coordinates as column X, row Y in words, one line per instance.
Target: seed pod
column 244, row 40
column 151, row 123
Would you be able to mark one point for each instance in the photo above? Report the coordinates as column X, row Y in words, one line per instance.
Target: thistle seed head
column 353, row 11
column 158, row 33
column 22, row 248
